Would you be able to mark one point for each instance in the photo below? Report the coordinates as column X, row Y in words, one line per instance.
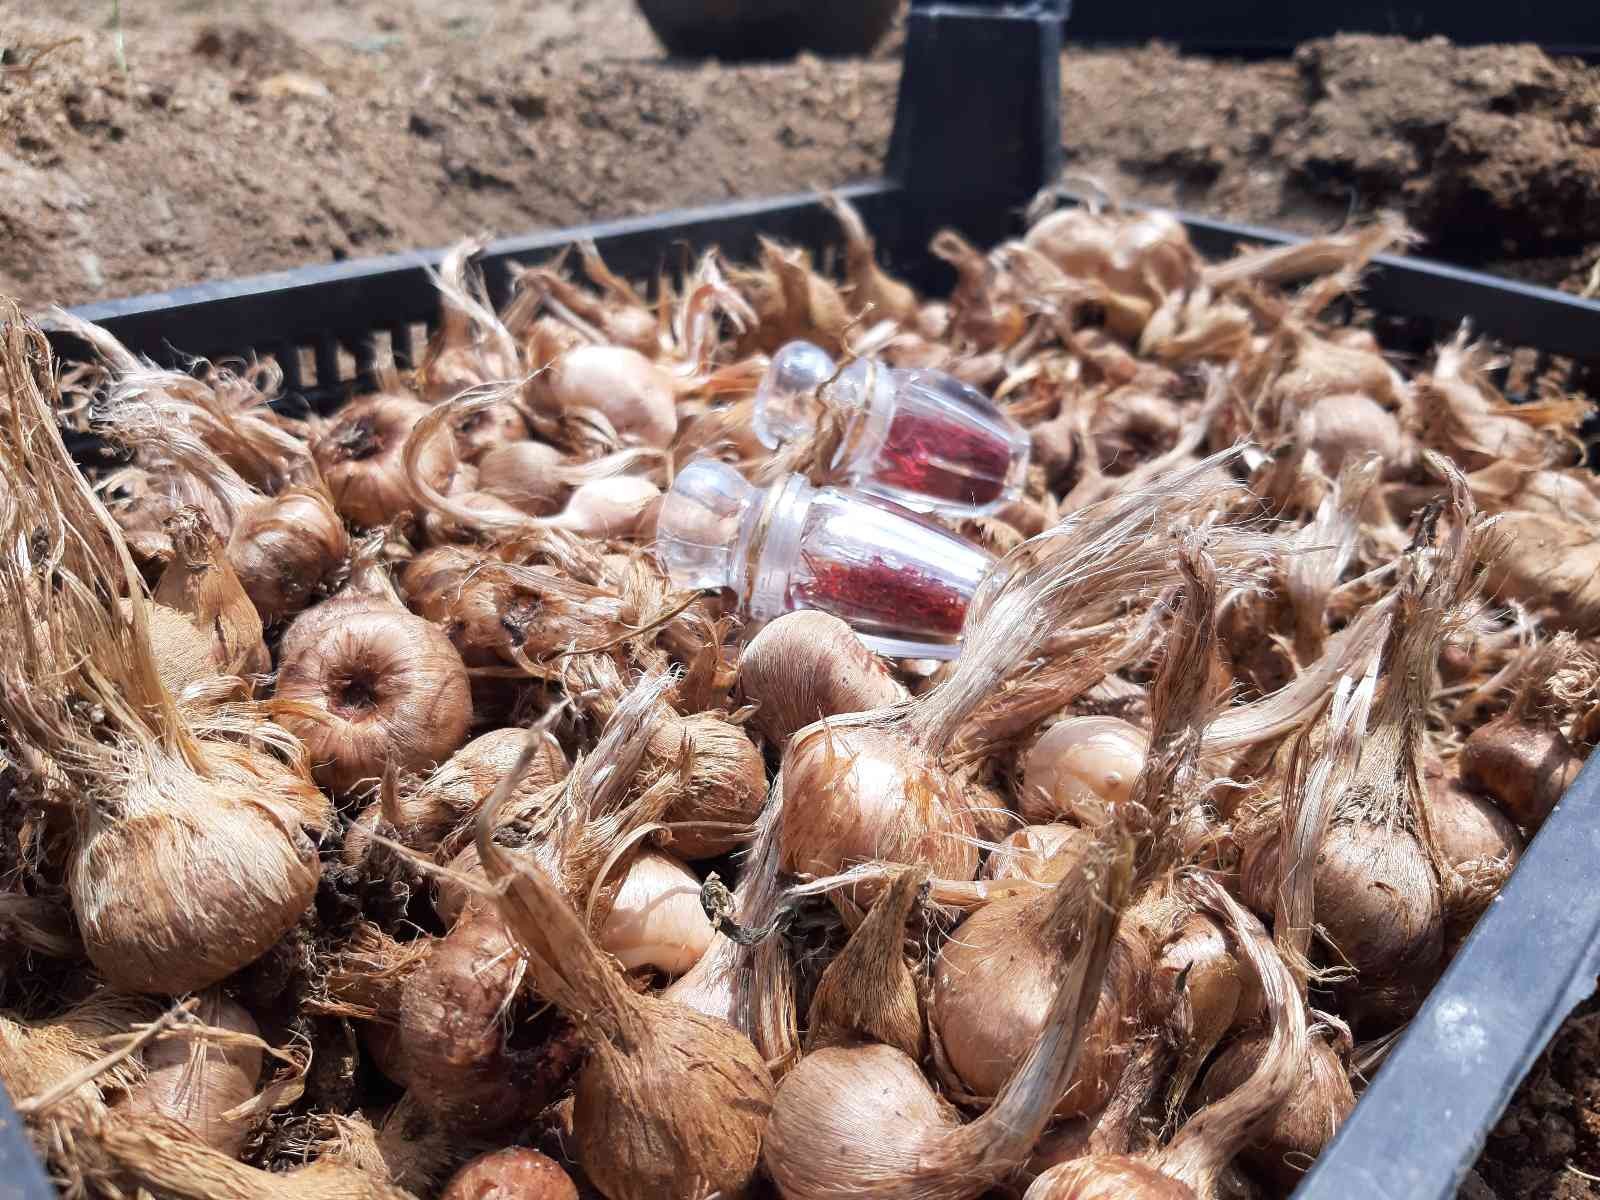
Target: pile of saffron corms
column 381, row 819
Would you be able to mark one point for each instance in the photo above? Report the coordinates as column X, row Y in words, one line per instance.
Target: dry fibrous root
column 209, row 441
column 379, row 820
column 189, row 853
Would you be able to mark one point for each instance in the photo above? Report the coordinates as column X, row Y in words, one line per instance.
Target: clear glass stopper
column 786, row 400
column 699, row 527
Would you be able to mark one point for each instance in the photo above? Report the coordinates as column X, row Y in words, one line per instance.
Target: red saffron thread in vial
column 889, row 596
column 942, row 459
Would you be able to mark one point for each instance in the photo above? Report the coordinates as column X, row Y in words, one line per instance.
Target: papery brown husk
column 1040, row 854
column 607, row 500
column 1194, row 1162
column 1293, row 1136
column 670, row 1102
column 226, row 407
column 188, row 859
column 38, row 1054
column 863, row 1120
column 871, row 285
column 248, row 871
column 444, row 584
column 1461, row 413
column 711, row 778
column 454, row 1019
column 454, row 791
column 1551, row 565
column 1281, row 830
column 1380, row 902
column 472, row 345
column 114, row 1157
column 1155, row 801
column 473, row 511
column 992, row 986
column 855, row 794
column 679, row 1107
column 580, row 825
column 1146, row 254
column 1131, row 425
column 871, row 787
column 200, row 585
column 256, row 482
column 288, row 550
column 1323, row 364
column 496, row 611
column 1480, row 847
column 1467, row 826
column 618, row 316
column 809, row 665
column 695, row 632
column 717, row 776
column 1345, row 427
column 1111, row 1177
column 751, row 986
column 867, row 992
column 1522, row 759
column 363, row 979
column 407, row 1147
column 984, row 310
column 480, row 434
column 791, row 302
column 141, row 507
column 1127, row 1123
column 631, row 397
column 366, row 683
column 1216, row 988
column 460, row 1057
column 1377, row 884
column 195, row 1081
column 361, row 456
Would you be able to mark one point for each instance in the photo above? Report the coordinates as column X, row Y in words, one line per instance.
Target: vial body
column 921, row 438
column 946, row 449
column 897, row 578
column 902, row 582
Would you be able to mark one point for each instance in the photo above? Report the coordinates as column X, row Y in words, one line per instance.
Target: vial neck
column 866, row 395
column 770, row 546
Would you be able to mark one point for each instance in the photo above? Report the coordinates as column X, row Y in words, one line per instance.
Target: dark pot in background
column 734, row 29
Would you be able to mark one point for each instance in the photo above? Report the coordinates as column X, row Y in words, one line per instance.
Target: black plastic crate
column 974, row 137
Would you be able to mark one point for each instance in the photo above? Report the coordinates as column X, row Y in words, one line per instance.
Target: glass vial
column 921, row 438
column 901, row 581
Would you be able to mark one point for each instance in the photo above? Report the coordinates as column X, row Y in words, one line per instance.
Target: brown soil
column 235, row 146
column 1547, row 1145
column 1492, row 152
column 237, row 138
column 244, row 138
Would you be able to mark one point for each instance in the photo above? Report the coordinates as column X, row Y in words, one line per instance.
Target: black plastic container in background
column 1261, row 28
column 975, row 135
